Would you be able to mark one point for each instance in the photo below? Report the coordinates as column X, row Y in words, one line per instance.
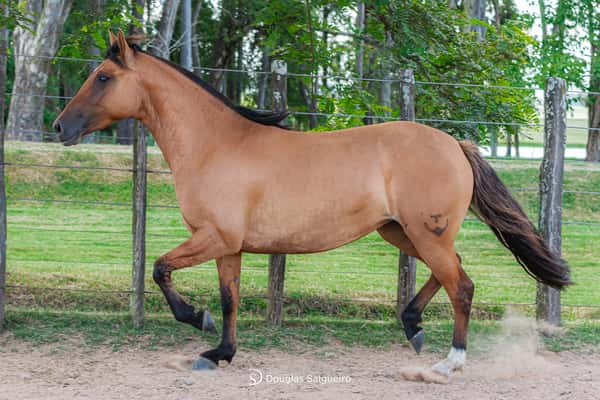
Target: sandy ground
column 66, row 371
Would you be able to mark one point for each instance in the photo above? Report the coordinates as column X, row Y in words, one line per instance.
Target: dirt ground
column 66, row 371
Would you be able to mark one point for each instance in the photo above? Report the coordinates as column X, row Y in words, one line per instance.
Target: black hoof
column 417, row 341
column 203, row 364
column 208, row 324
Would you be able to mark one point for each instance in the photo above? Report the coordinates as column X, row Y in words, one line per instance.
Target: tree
column 438, row 49
column 4, row 13
column 35, row 44
column 235, row 21
column 318, row 37
column 558, row 46
column 591, row 10
column 476, row 10
column 125, row 127
column 164, row 34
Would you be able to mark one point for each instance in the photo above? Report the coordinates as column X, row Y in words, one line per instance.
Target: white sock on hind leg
column 455, row 360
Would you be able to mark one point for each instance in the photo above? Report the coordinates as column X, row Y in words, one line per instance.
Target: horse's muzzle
column 68, row 134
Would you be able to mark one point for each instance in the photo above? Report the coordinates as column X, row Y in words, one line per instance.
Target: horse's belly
column 302, row 231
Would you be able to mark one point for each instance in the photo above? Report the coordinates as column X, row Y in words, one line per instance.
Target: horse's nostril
column 57, row 127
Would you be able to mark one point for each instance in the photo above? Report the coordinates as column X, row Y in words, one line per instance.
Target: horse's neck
column 185, row 120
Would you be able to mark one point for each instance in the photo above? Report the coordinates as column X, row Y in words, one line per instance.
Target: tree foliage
column 319, row 40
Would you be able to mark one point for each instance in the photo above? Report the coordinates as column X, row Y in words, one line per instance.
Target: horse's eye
column 103, row 78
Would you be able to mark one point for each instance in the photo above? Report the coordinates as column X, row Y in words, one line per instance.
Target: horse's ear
column 113, row 38
column 125, row 52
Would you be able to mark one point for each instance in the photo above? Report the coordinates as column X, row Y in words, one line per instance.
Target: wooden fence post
column 2, row 221
column 407, row 266
column 3, row 60
column 139, row 224
column 277, row 261
column 493, row 140
column 551, row 188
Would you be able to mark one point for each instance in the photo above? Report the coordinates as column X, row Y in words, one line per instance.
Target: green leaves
column 88, row 27
column 15, row 16
column 426, row 36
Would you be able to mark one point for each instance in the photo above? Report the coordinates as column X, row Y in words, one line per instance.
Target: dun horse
column 244, row 184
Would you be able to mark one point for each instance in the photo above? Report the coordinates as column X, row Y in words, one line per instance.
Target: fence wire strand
column 322, row 76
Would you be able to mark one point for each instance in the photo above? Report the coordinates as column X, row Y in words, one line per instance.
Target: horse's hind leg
column 446, row 268
column 393, row 233
column 411, row 315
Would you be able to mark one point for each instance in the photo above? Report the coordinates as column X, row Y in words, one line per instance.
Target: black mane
column 261, row 117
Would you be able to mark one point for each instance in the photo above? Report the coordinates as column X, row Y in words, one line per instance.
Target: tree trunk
column 3, row 63
column 476, row 9
column 385, row 88
column 497, row 13
column 517, row 142
column 138, row 15
column 96, row 54
column 509, row 142
column 95, row 50
column 326, row 12
column 304, row 91
column 234, row 79
column 593, row 141
column 314, row 80
column 166, row 26
column 195, row 53
column 233, row 25
column 26, row 115
column 263, row 80
column 543, row 20
column 360, row 27
column 186, row 24
column 125, row 126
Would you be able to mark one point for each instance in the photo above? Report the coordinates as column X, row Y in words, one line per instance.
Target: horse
column 245, row 184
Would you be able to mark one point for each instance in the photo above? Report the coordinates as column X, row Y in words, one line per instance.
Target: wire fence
column 324, row 76
column 51, row 136
column 376, row 297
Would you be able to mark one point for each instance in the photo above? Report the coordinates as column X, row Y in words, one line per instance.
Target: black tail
column 494, row 205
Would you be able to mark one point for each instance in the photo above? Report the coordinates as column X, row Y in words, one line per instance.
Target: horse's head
column 112, row 92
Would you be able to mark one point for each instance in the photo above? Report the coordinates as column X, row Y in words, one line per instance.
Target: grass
column 534, row 136
column 296, row 334
column 87, row 248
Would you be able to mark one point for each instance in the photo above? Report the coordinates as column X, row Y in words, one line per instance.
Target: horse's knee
column 182, row 311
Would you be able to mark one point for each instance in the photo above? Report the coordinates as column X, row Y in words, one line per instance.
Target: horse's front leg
column 229, row 283
column 204, row 245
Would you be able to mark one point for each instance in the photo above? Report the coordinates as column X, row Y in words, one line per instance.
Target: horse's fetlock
column 184, row 313
column 410, row 317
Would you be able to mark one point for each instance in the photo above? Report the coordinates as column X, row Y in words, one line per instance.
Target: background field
column 85, row 249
